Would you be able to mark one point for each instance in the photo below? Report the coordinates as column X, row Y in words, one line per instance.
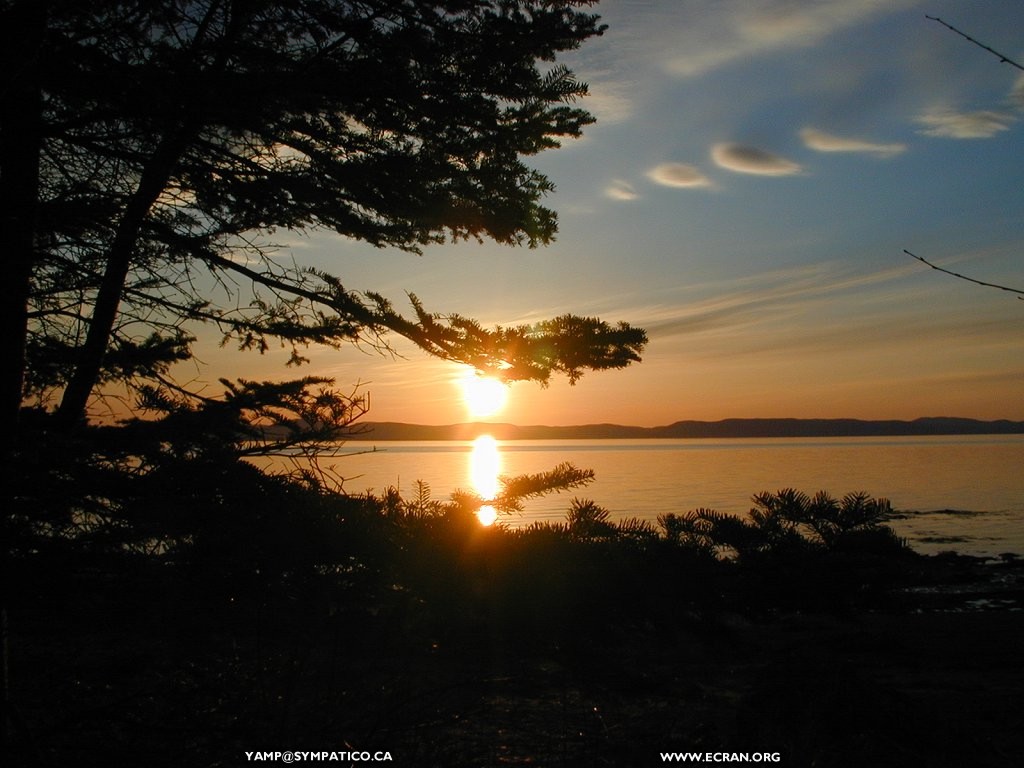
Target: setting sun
column 483, row 395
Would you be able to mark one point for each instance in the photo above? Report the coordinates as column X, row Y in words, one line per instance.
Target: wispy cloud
column 974, row 378
column 950, row 124
column 826, row 142
column 1017, row 92
column 722, row 31
column 621, row 190
column 678, row 175
column 744, row 159
column 807, row 311
column 912, row 333
column 749, row 300
column 735, row 302
column 608, row 97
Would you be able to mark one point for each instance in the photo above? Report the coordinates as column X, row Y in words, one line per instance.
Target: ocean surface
column 960, row 493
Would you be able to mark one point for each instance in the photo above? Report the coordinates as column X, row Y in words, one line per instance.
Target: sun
column 483, row 395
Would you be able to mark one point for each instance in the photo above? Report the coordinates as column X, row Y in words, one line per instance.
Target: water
column 961, row 493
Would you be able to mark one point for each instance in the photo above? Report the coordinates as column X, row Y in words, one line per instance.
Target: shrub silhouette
column 588, row 521
column 789, row 522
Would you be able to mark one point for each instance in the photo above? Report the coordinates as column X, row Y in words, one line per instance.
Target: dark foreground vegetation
column 187, row 614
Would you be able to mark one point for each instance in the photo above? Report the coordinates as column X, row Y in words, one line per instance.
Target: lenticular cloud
column 677, row 175
column 826, row 142
column 744, row 159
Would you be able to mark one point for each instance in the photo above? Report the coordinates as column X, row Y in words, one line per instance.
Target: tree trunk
column 155, row 176
column 22, row 34
column 24, row 27
column 154, row 179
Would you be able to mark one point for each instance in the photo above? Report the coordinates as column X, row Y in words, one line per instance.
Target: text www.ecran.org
column 721, row 757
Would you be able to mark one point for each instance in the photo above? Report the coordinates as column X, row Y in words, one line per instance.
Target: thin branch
column 189, row 394
column 964, row 277
column 1002, row 58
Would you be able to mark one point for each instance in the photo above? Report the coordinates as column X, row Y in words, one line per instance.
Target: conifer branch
column 1002, row 57
column 964, row 277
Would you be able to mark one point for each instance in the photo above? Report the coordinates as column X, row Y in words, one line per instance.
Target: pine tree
column 150, row 148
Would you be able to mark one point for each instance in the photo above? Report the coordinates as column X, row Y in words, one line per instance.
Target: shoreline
column 385, row 431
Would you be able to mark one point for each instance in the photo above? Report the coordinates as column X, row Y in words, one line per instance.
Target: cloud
column 721, row 31
column 744, row 159
column 950, row 124
column 814, row 310
column 609, row 99
column 1017, row 92
column 621, row 190
column 744, row 300
column 677, row 175
column 825, row 142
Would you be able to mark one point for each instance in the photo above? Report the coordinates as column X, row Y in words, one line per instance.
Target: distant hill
column 727, row 428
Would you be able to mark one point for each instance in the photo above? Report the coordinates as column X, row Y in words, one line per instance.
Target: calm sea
column 955, row 493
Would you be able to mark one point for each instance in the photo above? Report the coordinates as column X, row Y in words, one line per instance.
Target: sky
column 746, row 196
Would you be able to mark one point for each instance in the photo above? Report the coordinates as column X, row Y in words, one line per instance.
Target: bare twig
column 964, row 277
column 1002, row 58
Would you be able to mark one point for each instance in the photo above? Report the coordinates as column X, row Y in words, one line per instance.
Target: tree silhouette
column 150, row 149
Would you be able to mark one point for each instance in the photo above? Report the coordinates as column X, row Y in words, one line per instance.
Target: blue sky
column 755, row 173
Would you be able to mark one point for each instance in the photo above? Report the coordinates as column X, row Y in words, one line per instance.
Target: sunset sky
column 755, row 173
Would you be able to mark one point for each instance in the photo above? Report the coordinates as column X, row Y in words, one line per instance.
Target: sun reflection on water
column 484, row 469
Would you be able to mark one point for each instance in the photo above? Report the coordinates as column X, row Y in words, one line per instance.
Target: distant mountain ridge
column 726, row 428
